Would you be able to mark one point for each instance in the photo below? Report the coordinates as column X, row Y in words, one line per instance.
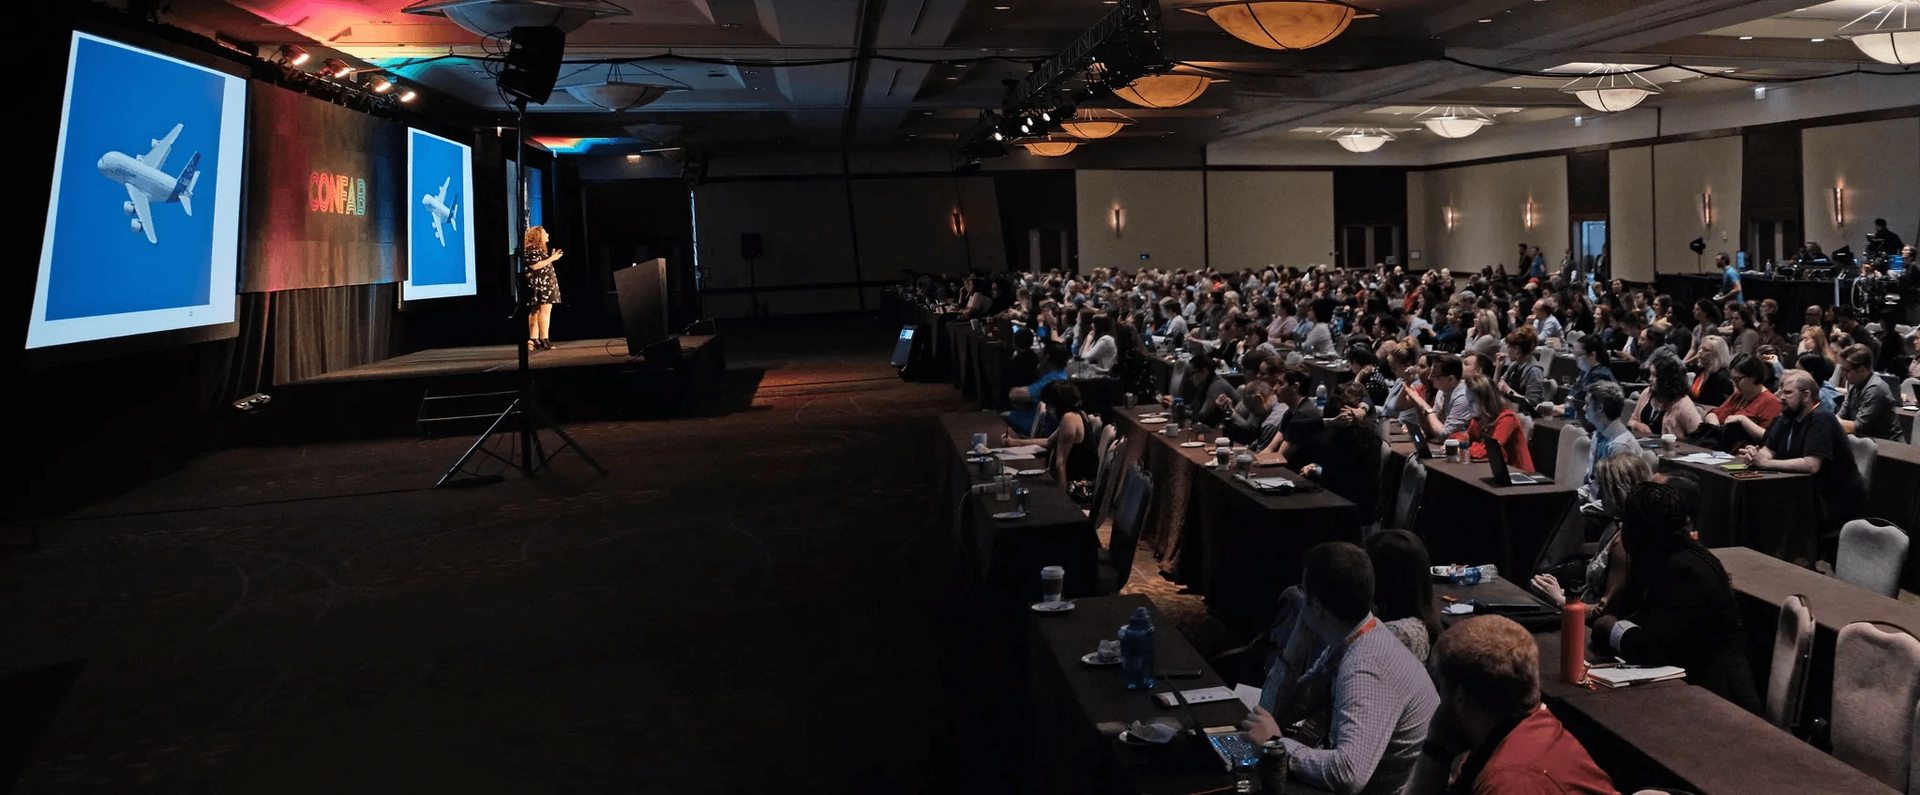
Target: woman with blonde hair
column 1813, row 339
column 1613, row 477
column 1713, row 385
column 539, row 287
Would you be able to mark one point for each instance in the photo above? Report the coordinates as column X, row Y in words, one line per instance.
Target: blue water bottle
column 1136, row 650
column 1320, row 397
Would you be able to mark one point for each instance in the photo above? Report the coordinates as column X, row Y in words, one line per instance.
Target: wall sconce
column 1706, row 208
column 1839, row 206
column 1530, row 215
column 1119, row 220
column 1449, row 215
column 959, row 223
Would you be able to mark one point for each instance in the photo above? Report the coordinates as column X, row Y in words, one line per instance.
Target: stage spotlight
column 375, row 82
column 291, row 55
column 335, row 68
column 407, row 95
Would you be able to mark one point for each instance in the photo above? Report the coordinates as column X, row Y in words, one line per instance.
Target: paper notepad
column 1705, row 458
column 1624, row 675
column 1249, row 695
column 1265, row 484
column 1016, row 453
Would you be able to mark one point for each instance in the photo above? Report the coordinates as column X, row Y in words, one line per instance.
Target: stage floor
column 501, row 359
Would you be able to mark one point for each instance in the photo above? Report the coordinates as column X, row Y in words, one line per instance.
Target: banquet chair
column 1570, row 457
column 1872, row 554
column 1526, row 424
column 1105, row 479
column 1864, row 450
column 1413, row 484
column 1792, row 653
column 1389, row 489
column 1876, row 689
column 1116, row 561
column 1039, row 412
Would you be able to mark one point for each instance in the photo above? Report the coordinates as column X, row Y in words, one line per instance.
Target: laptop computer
column 1420, row 446
column 1502, row 476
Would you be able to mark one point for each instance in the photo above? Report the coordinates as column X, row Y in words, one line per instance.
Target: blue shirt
column 1729, row 280
column 1022, row 419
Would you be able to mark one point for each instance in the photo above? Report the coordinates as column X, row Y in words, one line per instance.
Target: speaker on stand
column 751, row 249
column 533, row 63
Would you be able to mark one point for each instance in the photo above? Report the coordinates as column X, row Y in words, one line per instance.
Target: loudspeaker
column 750, row 246
column 533, row 63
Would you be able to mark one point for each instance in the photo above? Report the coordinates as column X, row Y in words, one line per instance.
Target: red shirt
column 1539, row 757
column 1513, row 440
column 1761, row 409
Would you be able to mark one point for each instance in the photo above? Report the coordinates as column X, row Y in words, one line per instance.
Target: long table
column 1079, row 709
column 1008, row 554
column 1465, row 518
column 1236, row 546
column 1893, row 494
column 1763, row 583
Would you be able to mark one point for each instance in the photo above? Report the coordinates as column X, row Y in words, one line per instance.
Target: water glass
column 1003, row 487
column 1133, row 400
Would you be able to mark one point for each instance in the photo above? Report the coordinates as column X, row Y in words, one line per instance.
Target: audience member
column 1053, row 367
column 1403, row 589
column 1495, row 423
column 1487, row 672
column 1714, row 384
column 1070, row 454
column 1600, row 578
column 1867, row 407
column 1342, row 453
column 1744, row 417
column 1666, row 394
column 1606, row 407
column 1808, row 439
column 1521, row 379
column 1677, row 607
column 1339, row 672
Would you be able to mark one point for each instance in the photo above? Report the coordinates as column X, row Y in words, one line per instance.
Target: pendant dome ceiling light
column 1094, row 124
column 1887, row 34
column 617, row 94
column 1611, row 88
column 1362, row 139
column 1051, row 148
column 1282, row 24
column 1453, row 122
column 1164, row 91
column 496, row 18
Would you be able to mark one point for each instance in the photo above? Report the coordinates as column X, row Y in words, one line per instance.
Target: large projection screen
column 143, row 220
column 440, row 255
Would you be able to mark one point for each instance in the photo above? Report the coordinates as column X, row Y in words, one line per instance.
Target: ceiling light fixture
column 335, row 68
column 1281, row 24
column 1052, row 148
column 1093, row 124
column 1886, row 34
column 1746, row 38
column 1363, row 139
column 1164, row 91
column 407, row 95
column 1453, row 122
column 1611, row 89
column 616, row 93
column 633, row 158
column 497, row 18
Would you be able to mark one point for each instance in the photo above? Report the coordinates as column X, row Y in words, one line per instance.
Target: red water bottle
column 1573, row 643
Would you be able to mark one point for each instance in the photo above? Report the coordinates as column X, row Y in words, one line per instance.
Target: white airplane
column 147, row 184
column 442, row 212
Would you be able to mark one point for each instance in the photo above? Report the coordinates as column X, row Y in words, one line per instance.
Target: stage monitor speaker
column 643, row 304
column 751, row 246
column 533, row 63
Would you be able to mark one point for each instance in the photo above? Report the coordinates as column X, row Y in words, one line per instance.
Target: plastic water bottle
column 1474, row 575
column 1136, row 650
column 1179, row 412
column 1320, row 396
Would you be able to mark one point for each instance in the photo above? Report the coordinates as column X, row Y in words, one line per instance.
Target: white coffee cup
column 1052, row 579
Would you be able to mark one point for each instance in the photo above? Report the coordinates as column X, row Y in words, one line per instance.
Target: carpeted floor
column 755, row 601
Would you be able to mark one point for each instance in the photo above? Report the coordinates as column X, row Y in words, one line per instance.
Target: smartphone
column 1748, row 475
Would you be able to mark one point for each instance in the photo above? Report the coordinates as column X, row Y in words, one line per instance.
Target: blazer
column 1683, row 612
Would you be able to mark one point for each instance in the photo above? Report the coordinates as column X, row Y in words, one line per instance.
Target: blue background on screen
column 536, row 205
column 430, row 263
column 122, row 101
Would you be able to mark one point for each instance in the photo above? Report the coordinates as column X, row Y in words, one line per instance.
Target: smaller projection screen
column 143, row 221
column 440, row 255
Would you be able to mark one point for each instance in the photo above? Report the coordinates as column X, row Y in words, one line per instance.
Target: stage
column 578, row 380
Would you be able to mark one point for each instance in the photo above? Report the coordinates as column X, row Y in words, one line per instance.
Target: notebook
column 1625, row 675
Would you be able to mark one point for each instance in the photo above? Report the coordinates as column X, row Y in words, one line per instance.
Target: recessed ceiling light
column 1516, row 88
column 1746, row 38
column 1003, row 8
column 1485, row 21
column 952, row 77
column 1816, row 41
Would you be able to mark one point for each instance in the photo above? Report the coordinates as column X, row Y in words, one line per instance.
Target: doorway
column 1590, row 248
column 1363, row 245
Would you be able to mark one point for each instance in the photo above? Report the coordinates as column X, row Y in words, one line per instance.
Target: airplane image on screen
column 147, row 184
column 441, row 211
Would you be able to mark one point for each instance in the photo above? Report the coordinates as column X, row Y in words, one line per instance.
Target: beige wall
column 1681, row 173
column 1629, row 214
column 1257, row 218
column 1490, row 202
column 1162, row 216
column 1417, row 255
column 1878, row 163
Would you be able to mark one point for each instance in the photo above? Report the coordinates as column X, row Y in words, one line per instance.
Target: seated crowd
column 1358, row 680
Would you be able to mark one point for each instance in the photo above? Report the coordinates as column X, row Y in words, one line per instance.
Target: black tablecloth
column 1079, row 710
column 1465, row 519
column 1238, row 547
column 1893, row 494
column 1774, row 513
column 1008, row 554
